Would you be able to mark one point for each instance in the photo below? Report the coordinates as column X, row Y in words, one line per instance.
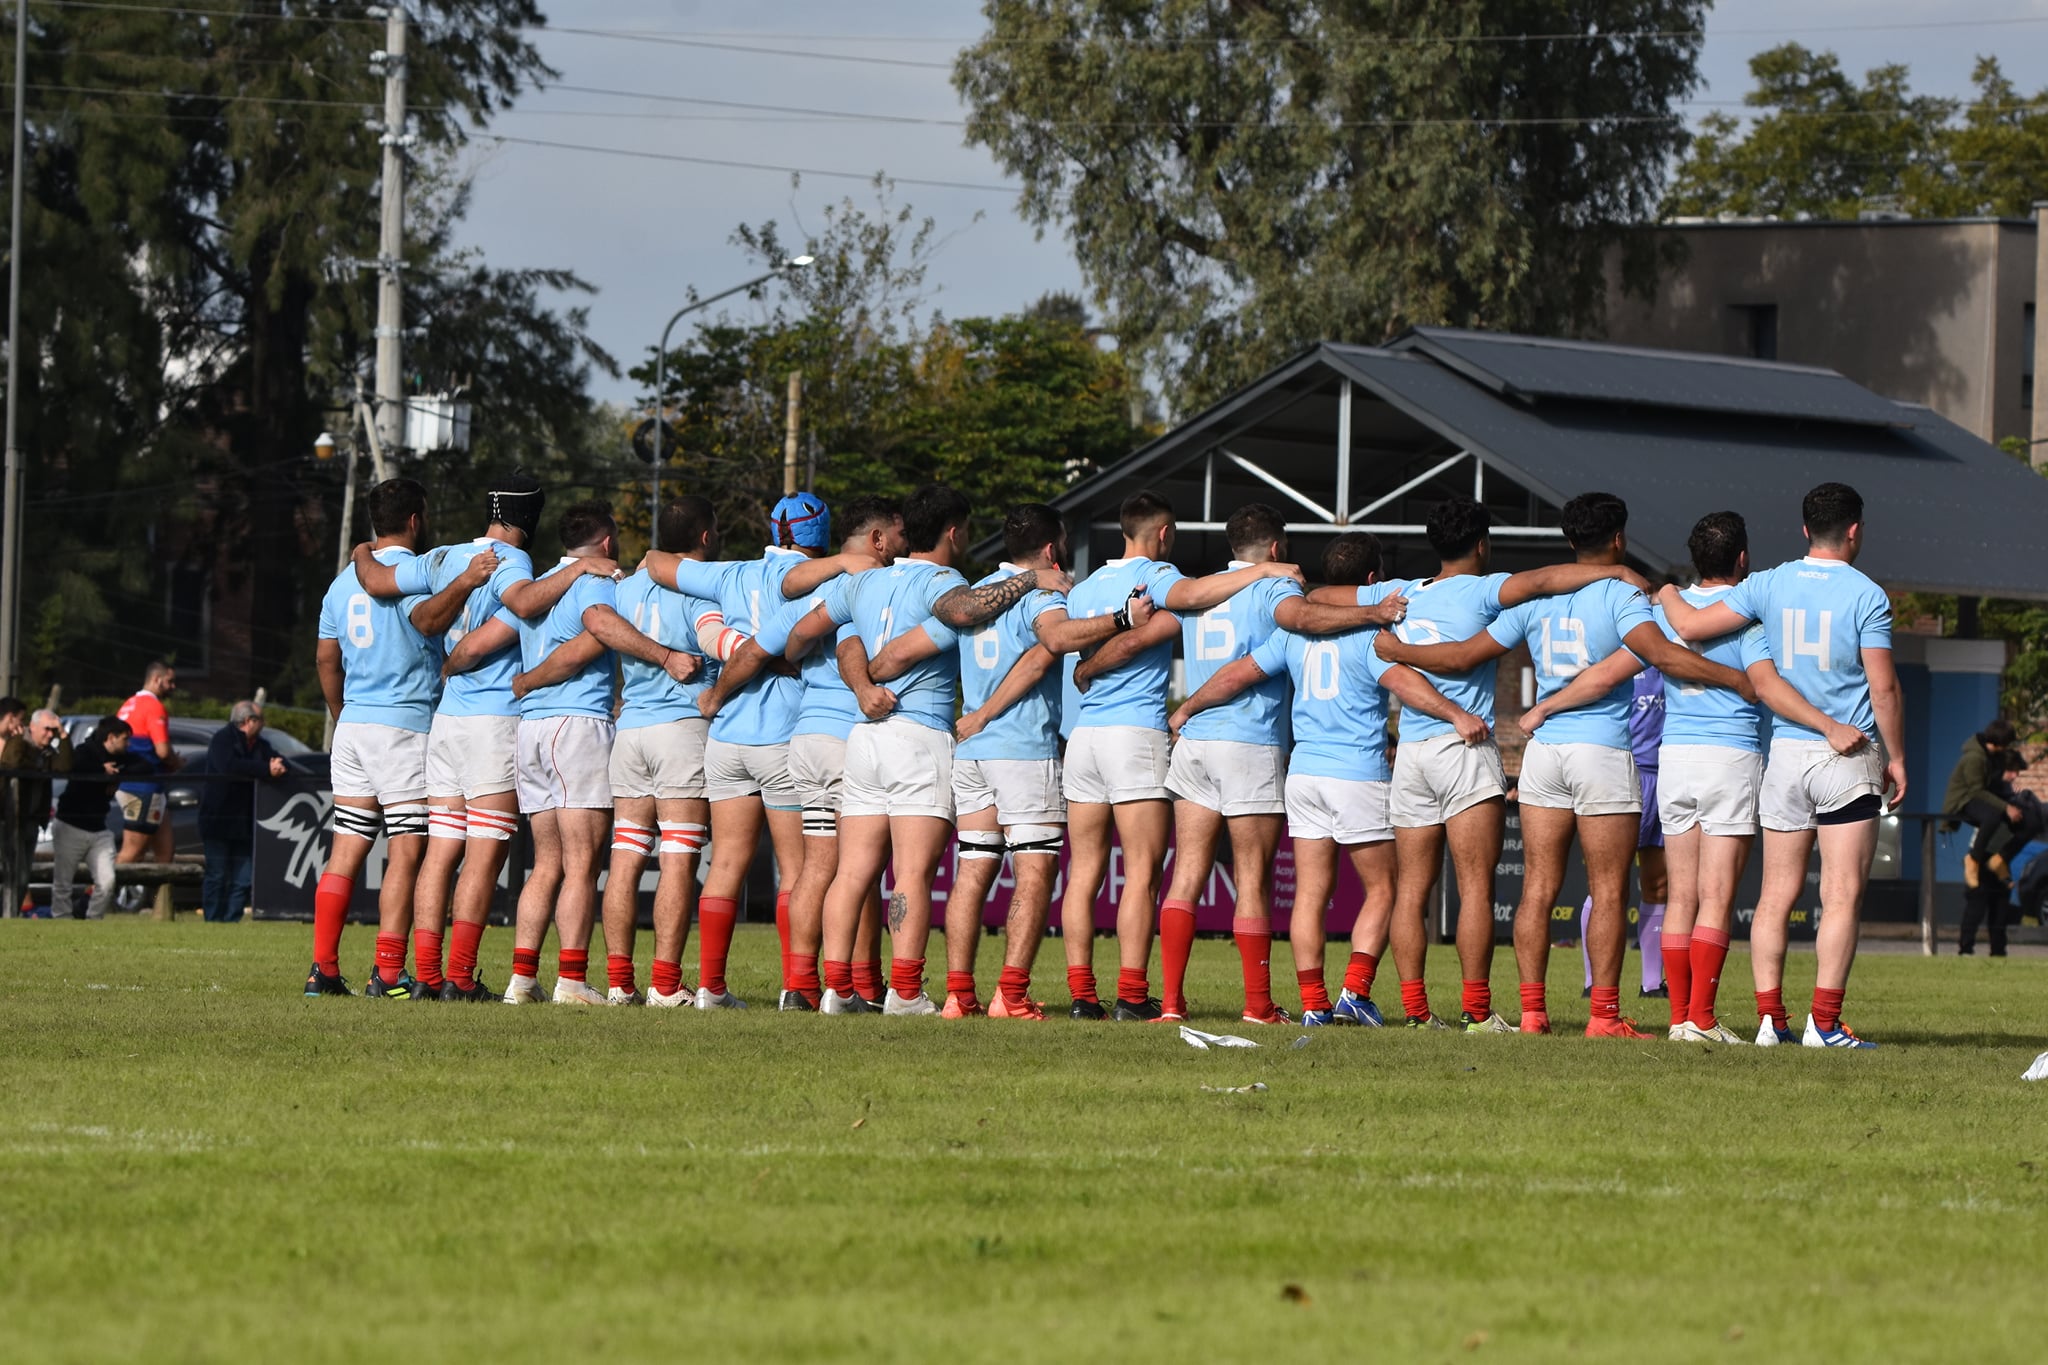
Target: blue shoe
column 1317, row 1018
column 1357, row 1009
column 1838, row 1036
column 380, row 989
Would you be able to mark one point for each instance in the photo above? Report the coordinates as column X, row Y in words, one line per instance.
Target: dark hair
column 2013, row 761
column 393, row 503
column 1717, row 542
column 1030, row 527
column 12, row 706
column 1592, row 520
column 928, row 511
column 585, row 523
column 1999, row 731
column 1455, row 526
column 867, row 511
column 157, row 668
column 1142, row 511
column 1253, row 525
column 1829, row 511
column 107, row 727
column 685, row 522
column 1352, row 558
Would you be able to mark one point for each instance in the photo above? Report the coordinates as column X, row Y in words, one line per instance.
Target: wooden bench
column 162, row 876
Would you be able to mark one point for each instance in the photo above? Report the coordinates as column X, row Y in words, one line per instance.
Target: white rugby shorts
column 1340, row 808
column 762, row 770
column 380, row 761
column 895, row 766
column 1585, row 779
column 564, row 763
column 817, row 769
column 1442, row 776
column 1024, row 791
column 1110, row 764
column 1709, row 786
column 1229, row 777
column 664, row 761
column 471, row 756
column 1806, row 778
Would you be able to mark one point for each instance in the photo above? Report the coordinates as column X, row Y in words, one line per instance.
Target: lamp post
column 661, row 377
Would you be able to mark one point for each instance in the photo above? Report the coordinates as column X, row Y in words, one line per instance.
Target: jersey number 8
column 362, row 626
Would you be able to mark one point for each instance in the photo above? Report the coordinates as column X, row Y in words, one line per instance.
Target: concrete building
column 1933, row 311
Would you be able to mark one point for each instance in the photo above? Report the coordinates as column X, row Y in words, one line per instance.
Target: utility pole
column 391, row 241
column 796, row 399
column 10, row 512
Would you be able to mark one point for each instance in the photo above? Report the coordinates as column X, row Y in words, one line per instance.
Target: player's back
column 1567, row 634
column 1695, row 713
column 647, row 694
column 1218, row 637
column 1134, row 694
column 828, row 706
column 588, row 691
column 1444, row 611
column 884, row 603
column 1030, row 728
column 391, row 672
column 485, row 690
column 750, row 594
column 1338, row 710
column 1818, row 616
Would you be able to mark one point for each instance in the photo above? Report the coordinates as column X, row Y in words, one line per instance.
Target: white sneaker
column 1838, row 1036
column 1683, row 1033
column 1767, row 1034
column 524, row 990
column 834, row 1002
column 683, row 996
column 1690, row 1032
column 727, row 1001
column 619, row 995
column 902, row 1005
column 569, row 992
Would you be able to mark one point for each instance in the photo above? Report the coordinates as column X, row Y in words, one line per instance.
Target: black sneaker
column 1136, row 1011
column 794, row 1002
column 1661, row 993
column 320, row 983
column 380, row 989
column 477, row 993
column 874, row 1003
column 1090, row 1011
column 1585, row 992
column 422, row 991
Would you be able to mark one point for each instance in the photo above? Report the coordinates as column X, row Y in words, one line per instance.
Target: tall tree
column 1243, row 180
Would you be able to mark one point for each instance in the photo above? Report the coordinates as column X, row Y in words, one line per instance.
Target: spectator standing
column 1979, row 795
column 144, row 829
column 227, row 810
column 80, row 829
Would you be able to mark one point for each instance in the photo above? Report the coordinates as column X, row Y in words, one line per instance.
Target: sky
column 645, row 231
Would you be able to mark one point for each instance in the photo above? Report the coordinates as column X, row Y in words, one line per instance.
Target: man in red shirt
column 144, row 828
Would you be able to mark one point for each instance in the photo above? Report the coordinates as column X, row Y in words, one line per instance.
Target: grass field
column 197, row 1164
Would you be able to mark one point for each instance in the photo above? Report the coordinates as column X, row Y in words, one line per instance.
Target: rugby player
column 1337, row 779
column 1828, row 628
column 143, row 828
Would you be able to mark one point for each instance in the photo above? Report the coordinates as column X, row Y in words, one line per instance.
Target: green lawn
column 197, row 1164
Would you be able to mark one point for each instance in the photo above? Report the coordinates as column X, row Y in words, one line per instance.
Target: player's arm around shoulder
column 1419, row 693
column 563, row 662
column 1223, row 685
column 1213, row 590
column 1160, row 628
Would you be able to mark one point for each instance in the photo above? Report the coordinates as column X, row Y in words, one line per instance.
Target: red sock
column 1476, row 998
column 1709, row 951
column 1176, row 942
column 1359, row 972
column 782, row 933
column 1532, row 998
column 1415, row 999
column 1678, row 974
column 526, row 962
column 1314, row 994
column 571, row 965
column 426, row 957
column 330, row 911
column 1131, row 984
column 960, row 983
column 839, row 976
column 390, row 957
column 906, row 976
column 1771, row 1005
column 803, row 976
column 666, row 978
column 1827, row 1009
column 618, row 971
column 715, row 916
column 867, row 979
column 1081, row 984
column 464, row 938
column 1607, row 1002
column 1255, row 957
column 1013, row 983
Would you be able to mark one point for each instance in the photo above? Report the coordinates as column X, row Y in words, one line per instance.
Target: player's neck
column 1838, row 553
column 940, row 555
column 1719, row 582
column 390, row 543
column 1468, row 567
column 502, row 534
column 586, row 552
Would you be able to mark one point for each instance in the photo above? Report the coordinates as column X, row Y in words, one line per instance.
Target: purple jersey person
column 1645, row 735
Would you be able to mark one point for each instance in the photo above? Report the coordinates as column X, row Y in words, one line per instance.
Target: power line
column 746, row 165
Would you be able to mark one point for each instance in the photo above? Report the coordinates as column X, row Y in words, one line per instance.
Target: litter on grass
column 1300, row 1042
column 1254, row 1088
column 1194, row 1037
column 2037, row 1072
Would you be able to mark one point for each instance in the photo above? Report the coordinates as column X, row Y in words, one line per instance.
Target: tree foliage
column 1243, row 180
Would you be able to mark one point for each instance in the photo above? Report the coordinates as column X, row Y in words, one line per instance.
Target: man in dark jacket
column 1978, row 795
column 227, row 810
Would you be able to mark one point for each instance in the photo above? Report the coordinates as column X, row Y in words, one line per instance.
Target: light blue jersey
column 391, row 672
column 1134, row 694
column 1220, row 636
column 485, row 690
column 829, row 706
column 1568, row 634
column 1819, row 615
column 749, row 593
column 1445, row 611
column 648, row 695
column 1030, row 729
column 587, row 692
column 882, row 604
column 1339, row 712
column 1695, row 713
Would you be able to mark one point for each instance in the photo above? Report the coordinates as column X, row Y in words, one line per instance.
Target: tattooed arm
column 964, row 608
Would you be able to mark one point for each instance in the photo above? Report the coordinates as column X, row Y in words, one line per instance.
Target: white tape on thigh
column 407, row 821
column 678, row 836
column 359, row 821
column 491, row 824
column 445, row 822
column 981, row 843
column 628, row 837
column 1036, row 838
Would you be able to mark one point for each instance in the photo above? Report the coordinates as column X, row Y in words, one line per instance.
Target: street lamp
column 661, row 376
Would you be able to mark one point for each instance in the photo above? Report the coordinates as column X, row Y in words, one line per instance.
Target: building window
column 2027, row 355
column 1759, row 329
